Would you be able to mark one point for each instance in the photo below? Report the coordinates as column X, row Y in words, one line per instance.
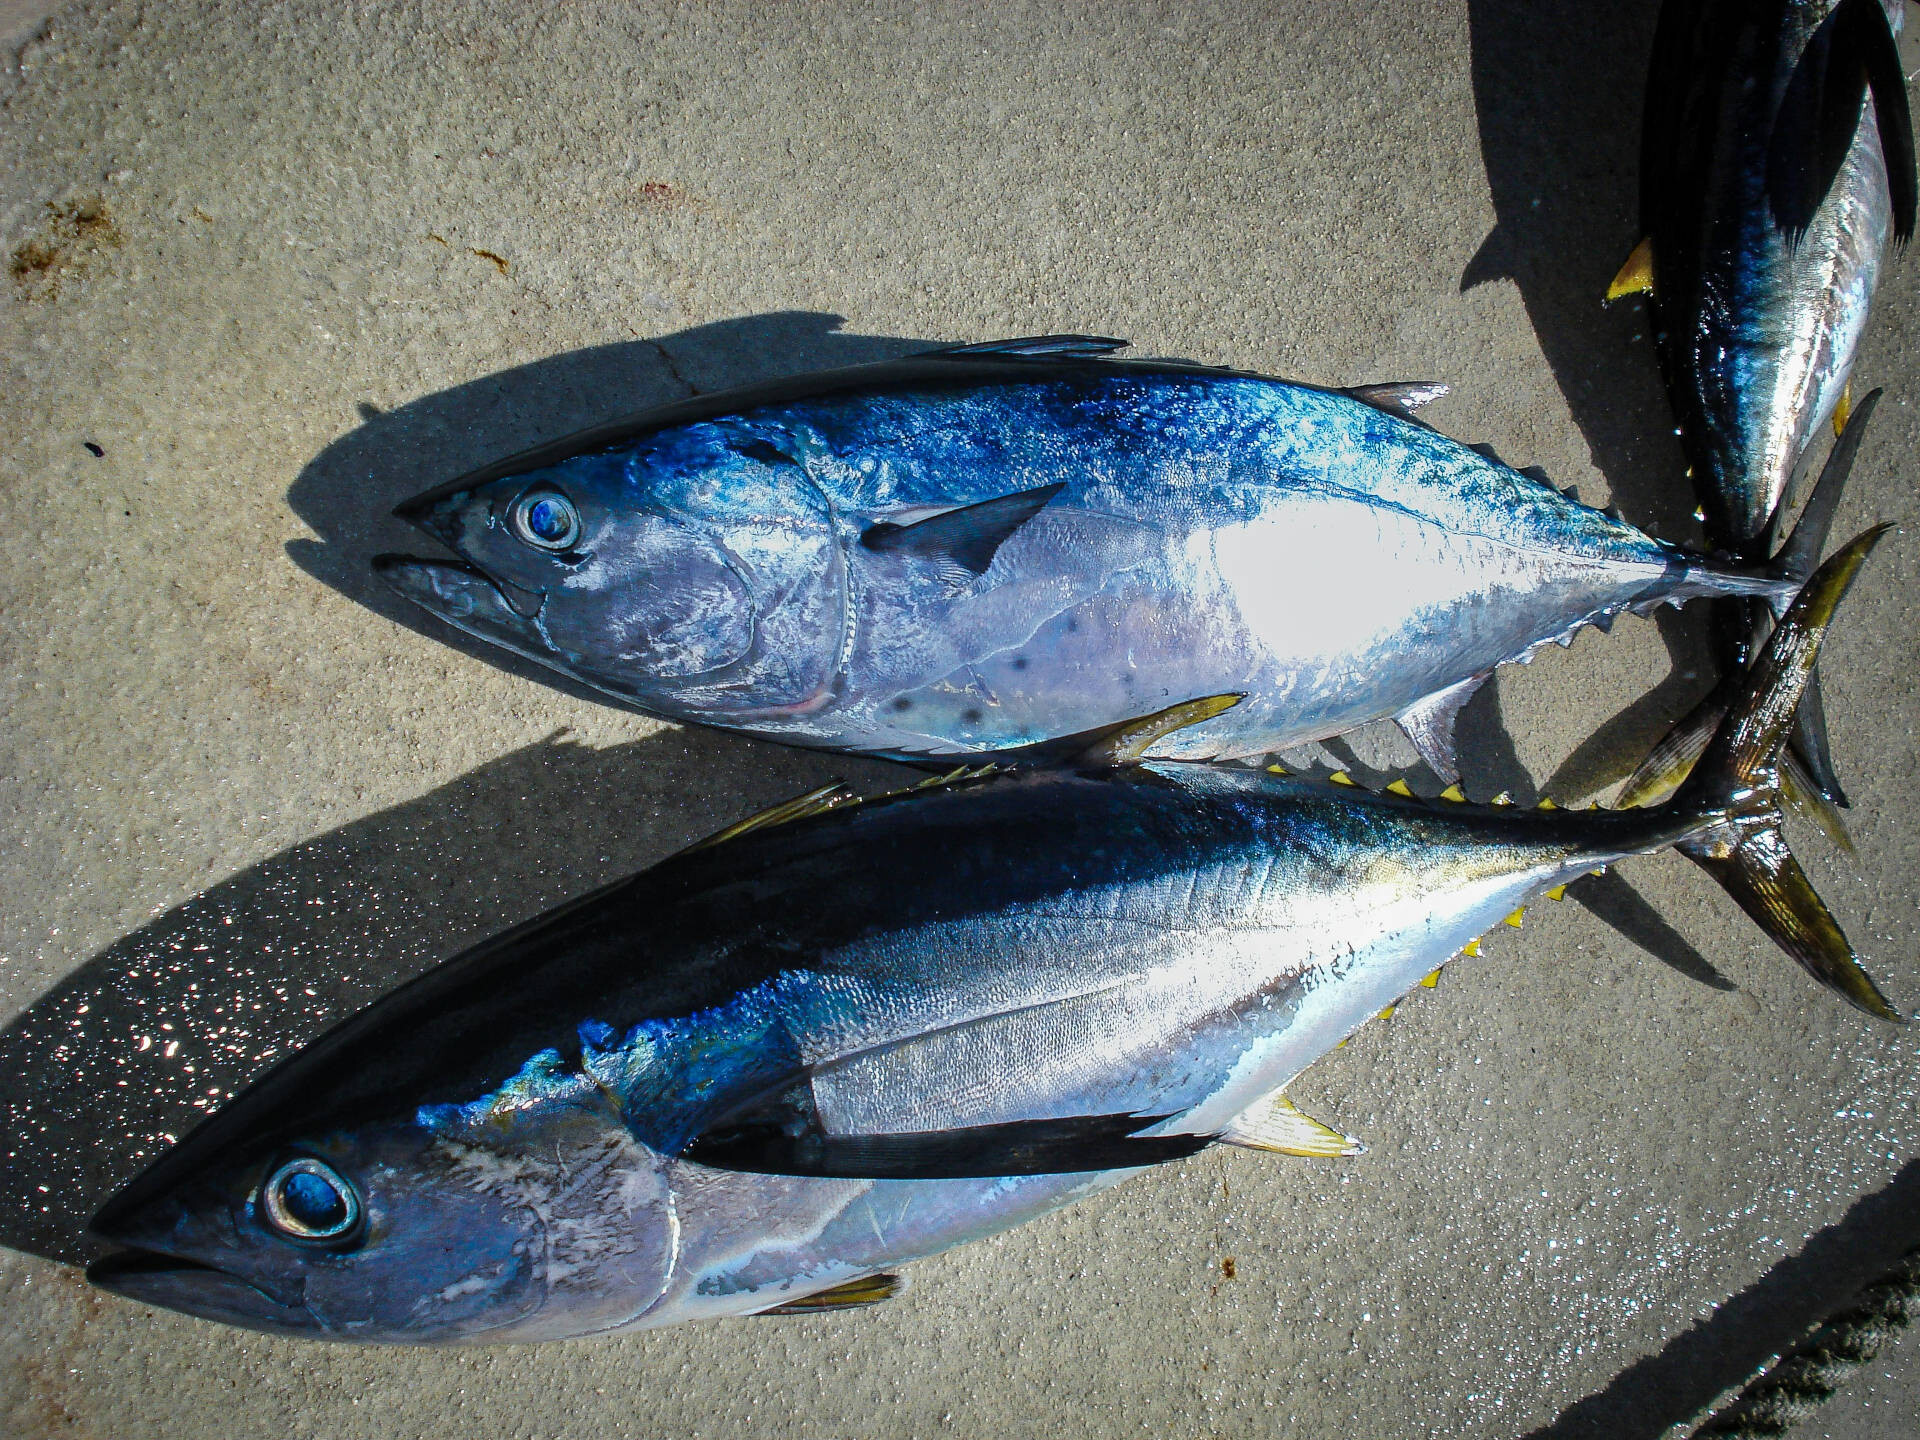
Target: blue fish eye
column 547, row 519
column 308, row 1200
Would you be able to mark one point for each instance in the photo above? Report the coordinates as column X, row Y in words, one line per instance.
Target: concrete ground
column 275, row 266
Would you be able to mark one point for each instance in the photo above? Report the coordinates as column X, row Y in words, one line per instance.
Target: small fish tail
column 1735, row 792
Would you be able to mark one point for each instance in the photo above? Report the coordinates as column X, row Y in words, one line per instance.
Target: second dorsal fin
column 1128, row 742
column 811, row 803
column 1399, row 397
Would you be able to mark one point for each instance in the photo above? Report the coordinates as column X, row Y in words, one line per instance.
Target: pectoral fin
column 853, row 1295
column 1021, row 1147
column 967, row 538
column 1278, row 1125
column 1428, row 723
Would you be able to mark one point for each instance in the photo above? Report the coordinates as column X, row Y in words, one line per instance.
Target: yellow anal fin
column 1636, row 276
column 867, row 1290
column 1277, row 1125
column 811, row 803
column 1843, row 412
column 1128, row 742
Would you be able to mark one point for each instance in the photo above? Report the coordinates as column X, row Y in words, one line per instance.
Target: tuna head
column 691, row 572
column 537, row 1220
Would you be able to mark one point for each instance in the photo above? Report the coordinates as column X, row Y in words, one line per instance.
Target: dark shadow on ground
column 145, row 1039
column 347, row 493
column 1695, row 1366
column 1557, row 86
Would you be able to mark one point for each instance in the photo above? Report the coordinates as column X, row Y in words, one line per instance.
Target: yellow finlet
column 1399, row 787
column 1455, row 794
column 1636, row 276
column 1843, row 412
column 1472, row 947
column 1558, row 892
column 1277, row 1125
column 1340, row 777
column 1434, row 979
column 1278, row 770
column 1546, row 803
column 1517, row 916
column 1386, row 1014
column 1505, row 797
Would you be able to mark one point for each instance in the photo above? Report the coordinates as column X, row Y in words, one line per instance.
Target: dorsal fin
column 969, row 537
column 851, row 1295
column 1078, row 346
column 811, row 803
column 1128, row 742
column 1399, row 397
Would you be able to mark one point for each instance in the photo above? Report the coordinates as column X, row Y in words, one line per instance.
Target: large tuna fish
column 1776, row 160
column 987, row 550
column 763, row 1072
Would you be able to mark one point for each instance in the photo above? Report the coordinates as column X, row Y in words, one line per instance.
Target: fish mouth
column 207, row 1292
column 465, row 596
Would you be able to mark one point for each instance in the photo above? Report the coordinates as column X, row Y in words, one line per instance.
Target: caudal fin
column 1814, row 787
column 1736, row 787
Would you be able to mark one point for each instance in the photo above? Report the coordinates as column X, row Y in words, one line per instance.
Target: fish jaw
column 470, row 600
column 202, row 1291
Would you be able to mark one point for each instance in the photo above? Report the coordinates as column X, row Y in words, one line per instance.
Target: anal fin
column 1428, row 723
column 1277, row 1125
column 852, row 1295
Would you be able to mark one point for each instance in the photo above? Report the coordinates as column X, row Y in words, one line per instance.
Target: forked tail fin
column 1735, row 791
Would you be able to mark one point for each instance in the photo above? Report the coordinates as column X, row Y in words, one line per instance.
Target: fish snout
column 204, row 1291
column 437, row 512
column 463, row 595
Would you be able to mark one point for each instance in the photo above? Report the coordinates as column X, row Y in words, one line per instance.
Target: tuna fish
column 983, row 552
column 1776, row 160
column 763, row 1073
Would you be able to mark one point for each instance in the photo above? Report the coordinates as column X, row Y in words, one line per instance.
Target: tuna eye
column 546, row 518
column 308, row 1200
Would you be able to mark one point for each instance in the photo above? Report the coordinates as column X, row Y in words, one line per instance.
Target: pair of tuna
column 847, row 1034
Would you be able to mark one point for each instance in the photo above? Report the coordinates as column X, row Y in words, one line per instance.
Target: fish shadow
column 150, row 1036
column 1557, row 87
column 1649, row 1397
column 346, row 494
